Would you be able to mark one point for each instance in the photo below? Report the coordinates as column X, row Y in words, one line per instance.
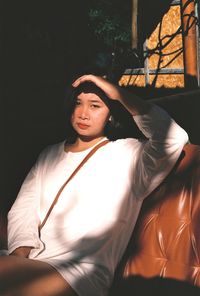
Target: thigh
column 22, row 276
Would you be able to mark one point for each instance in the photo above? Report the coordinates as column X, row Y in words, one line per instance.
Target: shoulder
column 51, row 151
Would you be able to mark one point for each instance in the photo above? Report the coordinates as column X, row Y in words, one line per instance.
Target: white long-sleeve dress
column 89, row 228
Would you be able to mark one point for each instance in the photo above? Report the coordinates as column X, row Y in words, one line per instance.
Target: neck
column 83, row 143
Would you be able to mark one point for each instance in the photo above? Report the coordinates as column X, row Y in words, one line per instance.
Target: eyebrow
column 93, row 100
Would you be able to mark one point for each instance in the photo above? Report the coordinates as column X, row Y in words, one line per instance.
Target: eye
column 95, row 106
column 77, row 102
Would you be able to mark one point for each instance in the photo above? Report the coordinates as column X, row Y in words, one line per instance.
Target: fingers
column 84, row 78
column 109, row 89
column 99, row 81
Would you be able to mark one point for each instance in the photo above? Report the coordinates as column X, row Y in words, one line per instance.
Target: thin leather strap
column 70, row 177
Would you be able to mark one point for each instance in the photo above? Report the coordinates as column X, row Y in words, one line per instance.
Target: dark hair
column 121, row 124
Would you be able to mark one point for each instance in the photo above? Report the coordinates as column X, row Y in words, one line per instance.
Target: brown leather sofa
column 163, row 256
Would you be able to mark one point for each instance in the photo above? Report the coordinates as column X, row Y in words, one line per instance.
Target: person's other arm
column 23, row 218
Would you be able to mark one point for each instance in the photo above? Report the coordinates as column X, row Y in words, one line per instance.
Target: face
column 90, row 116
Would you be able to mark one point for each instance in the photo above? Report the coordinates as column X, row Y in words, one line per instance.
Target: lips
column 82, row 126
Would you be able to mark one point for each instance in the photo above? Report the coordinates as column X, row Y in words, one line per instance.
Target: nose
column 84, row 113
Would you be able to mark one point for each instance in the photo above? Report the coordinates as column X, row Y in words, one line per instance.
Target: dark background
column 44, row 44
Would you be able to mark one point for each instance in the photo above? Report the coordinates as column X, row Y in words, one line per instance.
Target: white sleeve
column 23, row 217
column 158, row 154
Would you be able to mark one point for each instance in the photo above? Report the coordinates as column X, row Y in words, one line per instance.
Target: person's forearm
column 134, row 104
column 23, row 218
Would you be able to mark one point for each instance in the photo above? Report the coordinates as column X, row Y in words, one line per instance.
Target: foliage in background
column 110, row 21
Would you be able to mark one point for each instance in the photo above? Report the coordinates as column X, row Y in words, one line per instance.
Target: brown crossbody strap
column 70, row 177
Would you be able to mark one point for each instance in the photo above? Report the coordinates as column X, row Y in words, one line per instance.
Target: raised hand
column 112, row 91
